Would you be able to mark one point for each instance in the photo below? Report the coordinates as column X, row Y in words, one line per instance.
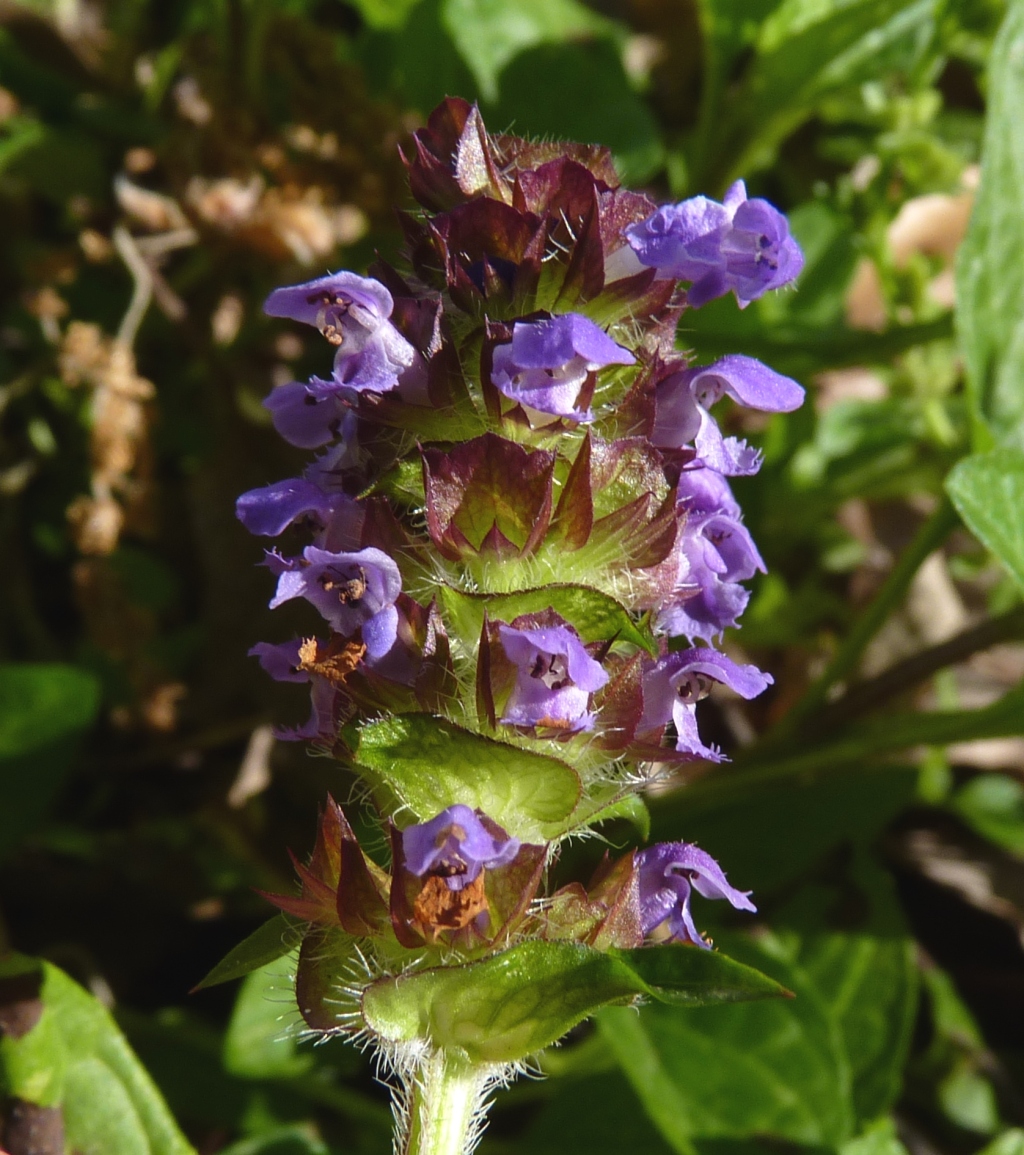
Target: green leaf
column 75, row 1058
column 390, row 14
column 988, row 492
column 273, row 940
column 596, row 616
column 261, row 1041
column 43, row 711
column 994, row 805
column 1010, row 1142
column 515, row 1003
column 878, row 1139
column 428, row 763
column 490, row 33
column 541, row 96
column 593, row 1116
column 989, row 273
column 804, row 1070
column 805, row 52
column 291, row 1140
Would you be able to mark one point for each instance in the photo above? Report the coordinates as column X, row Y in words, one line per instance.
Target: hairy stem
column 444, row 1108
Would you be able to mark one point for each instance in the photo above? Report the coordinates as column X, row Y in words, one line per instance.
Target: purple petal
column 702, row 490
column 380, row 632
column 280, row 661
column 347, row 588
column 304, row 302
column 306, row 419
column 268, row 511
column 671, row 869
column 683, row 677
column 456, row 845
column 748, row 382
column 554, row 679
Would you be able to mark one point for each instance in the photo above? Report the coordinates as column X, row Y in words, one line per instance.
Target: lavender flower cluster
column 516, row 464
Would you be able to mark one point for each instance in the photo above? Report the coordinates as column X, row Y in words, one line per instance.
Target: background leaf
column 85, row 1066
column 988, row 492
column 44, row 710
column 990, row 279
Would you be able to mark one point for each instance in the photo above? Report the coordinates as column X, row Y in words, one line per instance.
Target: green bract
column 510, row 1006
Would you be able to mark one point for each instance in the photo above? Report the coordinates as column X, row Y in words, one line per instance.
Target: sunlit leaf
column 75, row 1058
column 517, row 1002
column 989, row 273
column 988, row 492
column 428, row 763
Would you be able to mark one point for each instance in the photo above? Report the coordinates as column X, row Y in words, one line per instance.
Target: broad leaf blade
column 76, row 1058
column 261, row 1041
column 515, row 1003
column 989, row 271
column 428, row 763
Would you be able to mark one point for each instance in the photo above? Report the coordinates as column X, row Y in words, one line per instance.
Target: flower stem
column 445, row 1104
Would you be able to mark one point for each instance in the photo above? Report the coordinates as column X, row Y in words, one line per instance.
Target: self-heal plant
column 524, row 549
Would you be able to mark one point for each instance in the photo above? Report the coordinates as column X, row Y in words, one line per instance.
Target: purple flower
column 283, row 663
column 352, row 313
column 669, row 872
column 353, row 591
column 716, row 553
column 280, row 660
column 309, row 417
column 456, row 846
column 269, row 511
column 676, row 683
column 555, row 677
column 742, row 245
column 682, row 401
column 703, row 490
column 546, row 364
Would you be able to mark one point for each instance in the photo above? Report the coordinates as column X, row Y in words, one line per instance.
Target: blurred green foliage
column 162, row 166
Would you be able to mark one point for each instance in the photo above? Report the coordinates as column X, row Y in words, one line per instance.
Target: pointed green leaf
column 75, row 1057
column 988, row 492
column 273, row 940
column 513, row 1004
column 428, row 763
column 595, row 616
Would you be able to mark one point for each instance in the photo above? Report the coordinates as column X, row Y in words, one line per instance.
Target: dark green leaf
column 490, row 33
column 517, row 1002
column 43, row 711
column 805, row 1070
column 540, row 96
column 428, row 763
column 595, row 1116
column 271, row 941
column 988, row 492
column 989, row 273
